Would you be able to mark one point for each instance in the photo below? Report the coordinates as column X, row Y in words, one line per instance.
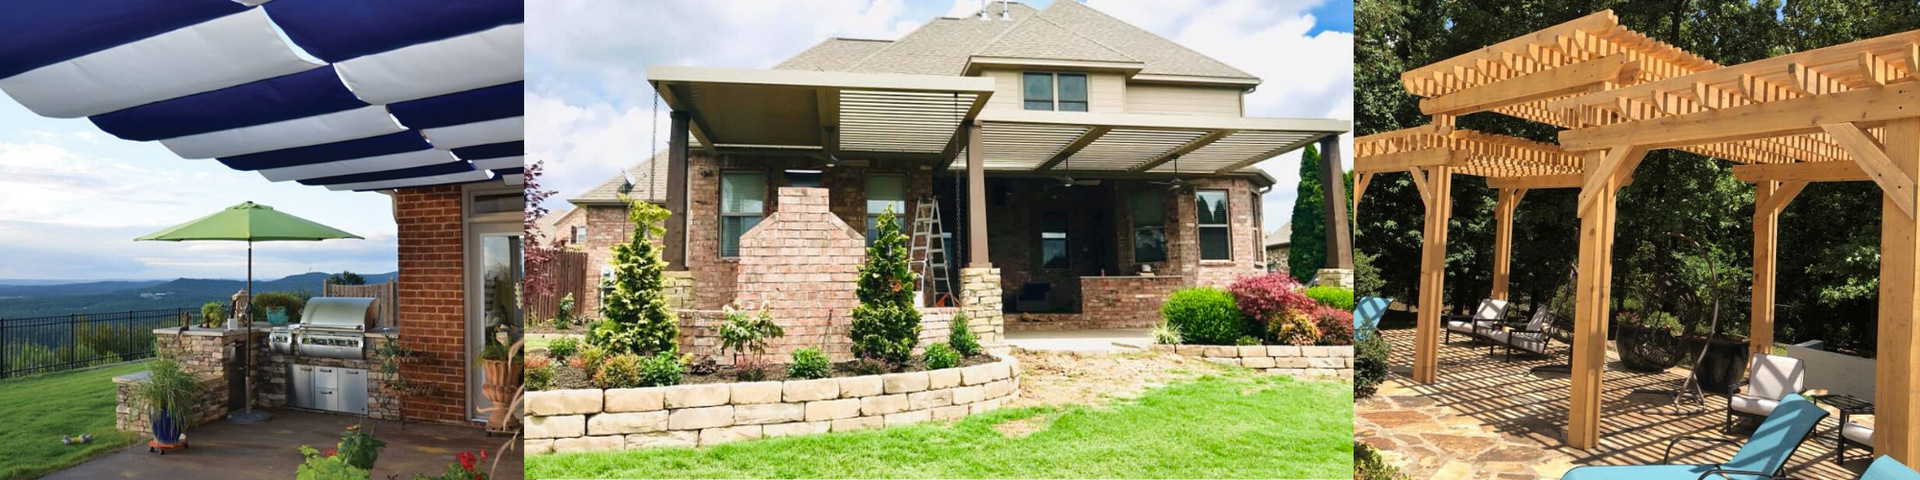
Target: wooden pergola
column 1848, row 112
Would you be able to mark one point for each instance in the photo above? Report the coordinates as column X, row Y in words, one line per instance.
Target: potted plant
column 170, row 393
column 503, row 377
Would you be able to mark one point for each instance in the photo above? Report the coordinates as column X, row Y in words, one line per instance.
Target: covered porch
column 1094, row 216
column 1841, row 113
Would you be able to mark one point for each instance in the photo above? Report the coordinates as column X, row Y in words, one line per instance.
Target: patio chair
column 1763, row 456
column 1769, row 378
column 1367, row 314
column 1856, row 435
column 1482, row 323
column 1885, row 468
column 1535, row 337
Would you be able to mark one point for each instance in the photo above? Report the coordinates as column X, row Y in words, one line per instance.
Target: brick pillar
column 980, row 299
column 432, row 301
column 801, row 264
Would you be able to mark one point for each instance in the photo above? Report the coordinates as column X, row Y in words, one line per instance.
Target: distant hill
column 93, row 297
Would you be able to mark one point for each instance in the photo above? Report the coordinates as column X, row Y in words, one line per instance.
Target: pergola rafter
column 1848, row 112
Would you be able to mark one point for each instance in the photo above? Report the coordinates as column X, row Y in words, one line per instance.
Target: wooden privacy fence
column 570, row 277
column 382, row 293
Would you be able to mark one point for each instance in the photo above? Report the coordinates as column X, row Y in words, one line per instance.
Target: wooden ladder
column 929, row 251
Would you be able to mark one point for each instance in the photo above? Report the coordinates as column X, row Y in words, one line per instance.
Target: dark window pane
column 731, row 228
column 1053, row 223
column 1053, row 253
column 1214, row 244
column 1212, row 205
column 1150, row 245
column 1066, row 106
column 1073, row 88
column 1038, row 89
column 1147, row 209
column 803, row 178
column 742, row 192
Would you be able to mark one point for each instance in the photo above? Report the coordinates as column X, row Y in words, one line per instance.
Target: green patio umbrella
column 248, row 222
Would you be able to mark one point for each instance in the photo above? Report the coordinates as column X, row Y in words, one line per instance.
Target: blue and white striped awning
column 349, row 94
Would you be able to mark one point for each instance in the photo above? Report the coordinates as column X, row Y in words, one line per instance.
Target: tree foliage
column 1307, row 253
column 1829, row 236
column 885, row 325
column 346, row 278
column 634, row 317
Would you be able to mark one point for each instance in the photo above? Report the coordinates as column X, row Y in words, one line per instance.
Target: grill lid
column 337, row 313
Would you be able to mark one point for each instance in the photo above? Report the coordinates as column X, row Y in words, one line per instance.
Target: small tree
column 746, row 335
column 634, row 317
column 885, row 325
column 346, row 278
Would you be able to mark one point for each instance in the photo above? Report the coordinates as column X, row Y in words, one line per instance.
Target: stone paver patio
column 1486, row 418
column 271, row 451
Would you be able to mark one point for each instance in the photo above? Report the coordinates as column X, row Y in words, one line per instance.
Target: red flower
column 466, row 460
column 329, row 453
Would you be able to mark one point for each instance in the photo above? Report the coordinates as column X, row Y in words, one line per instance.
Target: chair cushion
column 1461, row 326
column 1773, row 376
column 1886, row 468
column 1540, row 317
column 1490, row 311
column 1753, row 405
column 1646, row 472
column 1857, row 432
column 1535, row 342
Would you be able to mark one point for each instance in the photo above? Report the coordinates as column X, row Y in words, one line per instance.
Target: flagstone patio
column 271, row 450
column 1485, row 418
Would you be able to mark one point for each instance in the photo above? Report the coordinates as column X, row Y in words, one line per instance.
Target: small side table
column 1849, row 406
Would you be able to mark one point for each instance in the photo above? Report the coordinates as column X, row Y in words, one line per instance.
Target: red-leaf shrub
column 1263, row 297
column 1336, row 326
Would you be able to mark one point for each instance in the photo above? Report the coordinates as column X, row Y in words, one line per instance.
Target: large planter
column 1724, row 365
column 167, row 430
column 1644, row 349
column 503, row 379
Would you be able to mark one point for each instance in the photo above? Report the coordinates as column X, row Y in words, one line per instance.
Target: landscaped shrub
column 1247, row 340
column 589, row 360
column 619, row 371
column 563, row 348
column 634, row 317
column 661, row 369
column 1262, row 297
column 962, row 338
column 809, row 363
column 265, row 302
column 563, row 316
column 1338, row 298
column 1166, row 335
column 939, row 356
column 886, row 326
column 212, row 313
column 1293, row 328
column 539, row 373
column 1336, row 326
column 1204, row 316
column 746, row 335
column 360, row 449
column 1369, row 364
column 1367, row 465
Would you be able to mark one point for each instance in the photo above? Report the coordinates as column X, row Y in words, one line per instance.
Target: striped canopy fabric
column 347, row 94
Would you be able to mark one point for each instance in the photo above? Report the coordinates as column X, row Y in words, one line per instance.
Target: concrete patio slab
column 1080, row 340
column 272, row 451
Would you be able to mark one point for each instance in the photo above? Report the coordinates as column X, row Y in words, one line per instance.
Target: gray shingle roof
column 1066, row 30
column 652, row 171
column 1280, row 237
column 834, row 54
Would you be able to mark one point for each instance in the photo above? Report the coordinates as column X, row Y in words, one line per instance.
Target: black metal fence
column 36, row 345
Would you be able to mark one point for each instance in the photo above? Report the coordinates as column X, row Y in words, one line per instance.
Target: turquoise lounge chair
column 1886, row 468
column 1762, row 458
column 1366, row 315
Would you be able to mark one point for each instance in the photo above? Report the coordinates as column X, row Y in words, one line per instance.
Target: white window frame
column 1053, row 83
column 1201, row 226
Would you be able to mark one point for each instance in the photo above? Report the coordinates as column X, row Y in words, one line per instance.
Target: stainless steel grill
column 329, row 328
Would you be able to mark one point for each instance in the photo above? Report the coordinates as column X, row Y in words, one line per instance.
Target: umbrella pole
column 249, row 416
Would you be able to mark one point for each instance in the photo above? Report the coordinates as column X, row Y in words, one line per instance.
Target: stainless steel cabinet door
column 353, row 391
column 300, row 387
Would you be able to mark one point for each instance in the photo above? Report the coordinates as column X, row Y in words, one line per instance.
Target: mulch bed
column 566, row 377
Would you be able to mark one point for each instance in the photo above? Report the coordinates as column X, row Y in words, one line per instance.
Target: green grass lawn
column 1236, row 425
column 38, row 410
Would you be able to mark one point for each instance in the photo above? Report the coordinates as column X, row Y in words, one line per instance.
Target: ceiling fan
column 1176, row 183
column 1067, row 180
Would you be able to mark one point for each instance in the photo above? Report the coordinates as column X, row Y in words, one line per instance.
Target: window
column 1043, row 89
column 803, row 178
column 1215, row 238
column 1149, row 226
column 1053, row 240
column 885, row 193
column 579, row 235
column 743, row 198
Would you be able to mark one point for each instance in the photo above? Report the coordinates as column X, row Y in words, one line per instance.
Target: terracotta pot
column 503, row 378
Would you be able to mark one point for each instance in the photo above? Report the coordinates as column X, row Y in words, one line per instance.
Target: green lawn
column 38, row 410
column 1235, row 425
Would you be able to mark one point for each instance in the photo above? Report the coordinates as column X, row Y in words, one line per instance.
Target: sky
column 72, row 199
column 591, row 110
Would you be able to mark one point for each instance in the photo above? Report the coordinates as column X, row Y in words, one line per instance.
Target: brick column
column 980, row 300
column 801, row 264
column 432, row 303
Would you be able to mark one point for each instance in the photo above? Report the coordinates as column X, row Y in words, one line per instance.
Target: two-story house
column 1081, row 168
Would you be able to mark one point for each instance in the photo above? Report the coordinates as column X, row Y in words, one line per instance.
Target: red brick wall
column 1125, row 302
column 432, row 302
column 606, row 226
column 800, row 265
